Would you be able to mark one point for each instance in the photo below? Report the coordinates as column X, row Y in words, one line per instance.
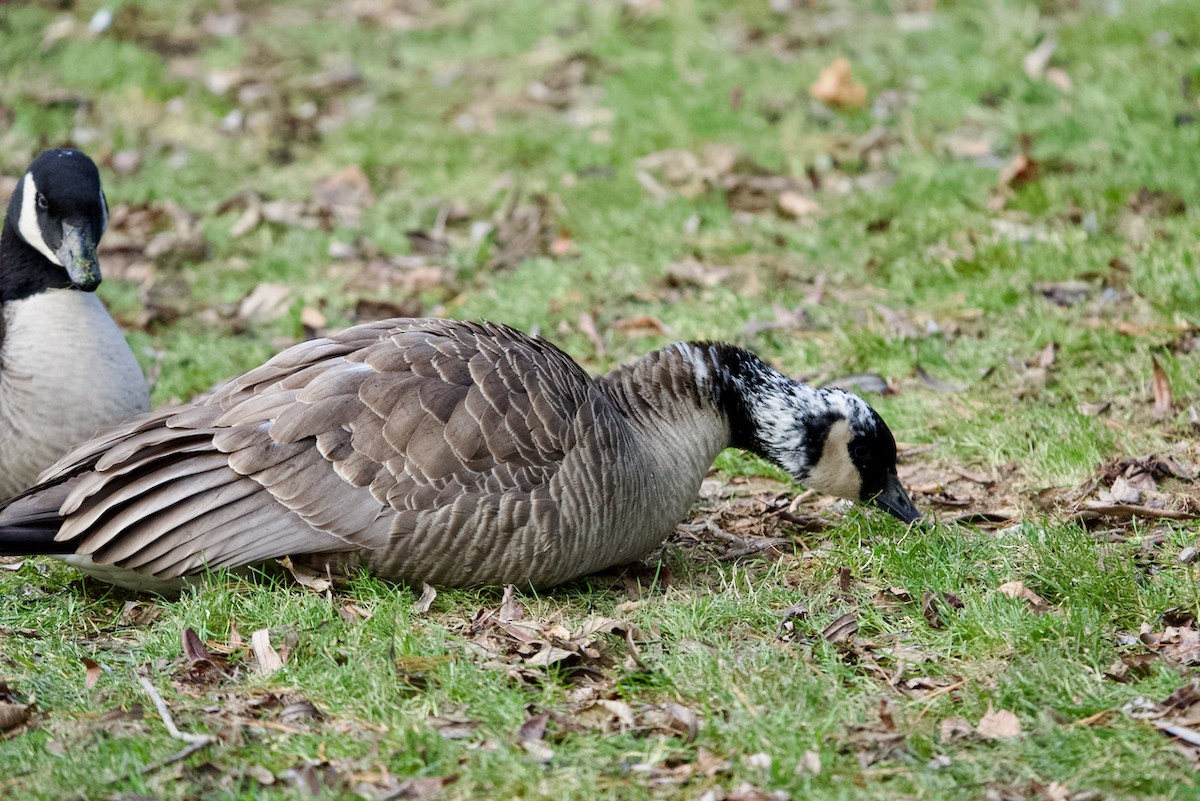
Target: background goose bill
column 895, row 500
column 77, row 253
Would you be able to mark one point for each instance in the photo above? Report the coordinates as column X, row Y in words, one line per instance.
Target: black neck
column 733, row 370
column 770, row 415
column 24, row 271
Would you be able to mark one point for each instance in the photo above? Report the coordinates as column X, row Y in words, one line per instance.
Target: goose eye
column 42, row 202
column 861, row 453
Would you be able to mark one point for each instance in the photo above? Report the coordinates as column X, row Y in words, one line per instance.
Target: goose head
column 59, row 210
column 853, row 456
column 829, row 440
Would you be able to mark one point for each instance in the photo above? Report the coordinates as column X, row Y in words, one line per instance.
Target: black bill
column 896, row 501
column 78, row 256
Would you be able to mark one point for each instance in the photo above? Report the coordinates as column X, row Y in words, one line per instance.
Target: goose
column 65, row 368
column 448, row 452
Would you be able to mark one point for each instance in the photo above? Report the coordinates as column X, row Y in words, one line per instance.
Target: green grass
column 443, row 117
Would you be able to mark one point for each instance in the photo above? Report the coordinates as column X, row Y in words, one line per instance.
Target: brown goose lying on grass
column 432, row 450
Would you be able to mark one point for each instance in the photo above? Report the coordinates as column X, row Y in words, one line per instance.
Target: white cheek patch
column 27, row 220
column 835, row 473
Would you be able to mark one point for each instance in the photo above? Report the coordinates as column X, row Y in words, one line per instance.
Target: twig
column 20, row 631
column 1097, row 508
column 751, row 548
column 938, row 693
column 198, row 740
column 195, row 742
column 178, row 756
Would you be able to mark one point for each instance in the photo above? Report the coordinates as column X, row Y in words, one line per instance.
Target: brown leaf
column 1065, row 293
column 268, row 658
column 691, row 272
column 1162, row 391
column 587, row 326
column 137, row 613
column 423, row 603
column 427, row 243
column 93, row 672
column 193, row 647
column 305, row 577
column 534, row 728
column 748, row 792
column 642, row 325
column 842, row 629
column 1157, row 203
column 1179, row 644
column 998, row 725
column 13, row 715
column 454, row 727
column 345, row 194
column 549, row 655
column 675, row 719
column 267, row 303
column 1017, row 589
column 844, row 579
column 836, row 86
column 510, row 609
column 930, row 611
column 1131, row 666
column 795, row 205
column 606, row 715
column 1045, row 356
column 952, row 729
column 1020, row 170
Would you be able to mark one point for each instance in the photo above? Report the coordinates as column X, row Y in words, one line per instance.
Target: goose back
column 423, row 450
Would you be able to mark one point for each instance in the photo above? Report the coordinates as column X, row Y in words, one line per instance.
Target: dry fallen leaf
column 268, row 302
column 305, row 577
column 1017, row 589
column 510, row 609
column 842, row 629
column 953, row 729
column 810, row 763
column 193, row 647
column 998, row 725
column 268, row 658
column 1037, row 59
column 423, row 603
column 93, row 672
column 1162, row 391
column 345, row 194
column 796, row 205
column 836, row 86
column 1059, row 78
column 1179, row 644
column 12, row 715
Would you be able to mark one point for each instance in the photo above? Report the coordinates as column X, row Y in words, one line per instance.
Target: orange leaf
column 93, row 672
column 1162, row 391
column 837, row 87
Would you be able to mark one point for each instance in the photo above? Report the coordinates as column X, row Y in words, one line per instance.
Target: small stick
column 198, row 740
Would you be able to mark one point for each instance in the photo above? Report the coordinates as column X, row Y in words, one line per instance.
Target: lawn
column 984, row 219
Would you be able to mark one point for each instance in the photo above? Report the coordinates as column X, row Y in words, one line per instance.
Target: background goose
column 65, row 368
column 433, row 450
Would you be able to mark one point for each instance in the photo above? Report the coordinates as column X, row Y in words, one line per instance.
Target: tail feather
column 29, row 522
column 30, row 540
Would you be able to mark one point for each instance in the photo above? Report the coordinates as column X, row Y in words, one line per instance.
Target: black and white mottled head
column 827, row 439
column 58, row 212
